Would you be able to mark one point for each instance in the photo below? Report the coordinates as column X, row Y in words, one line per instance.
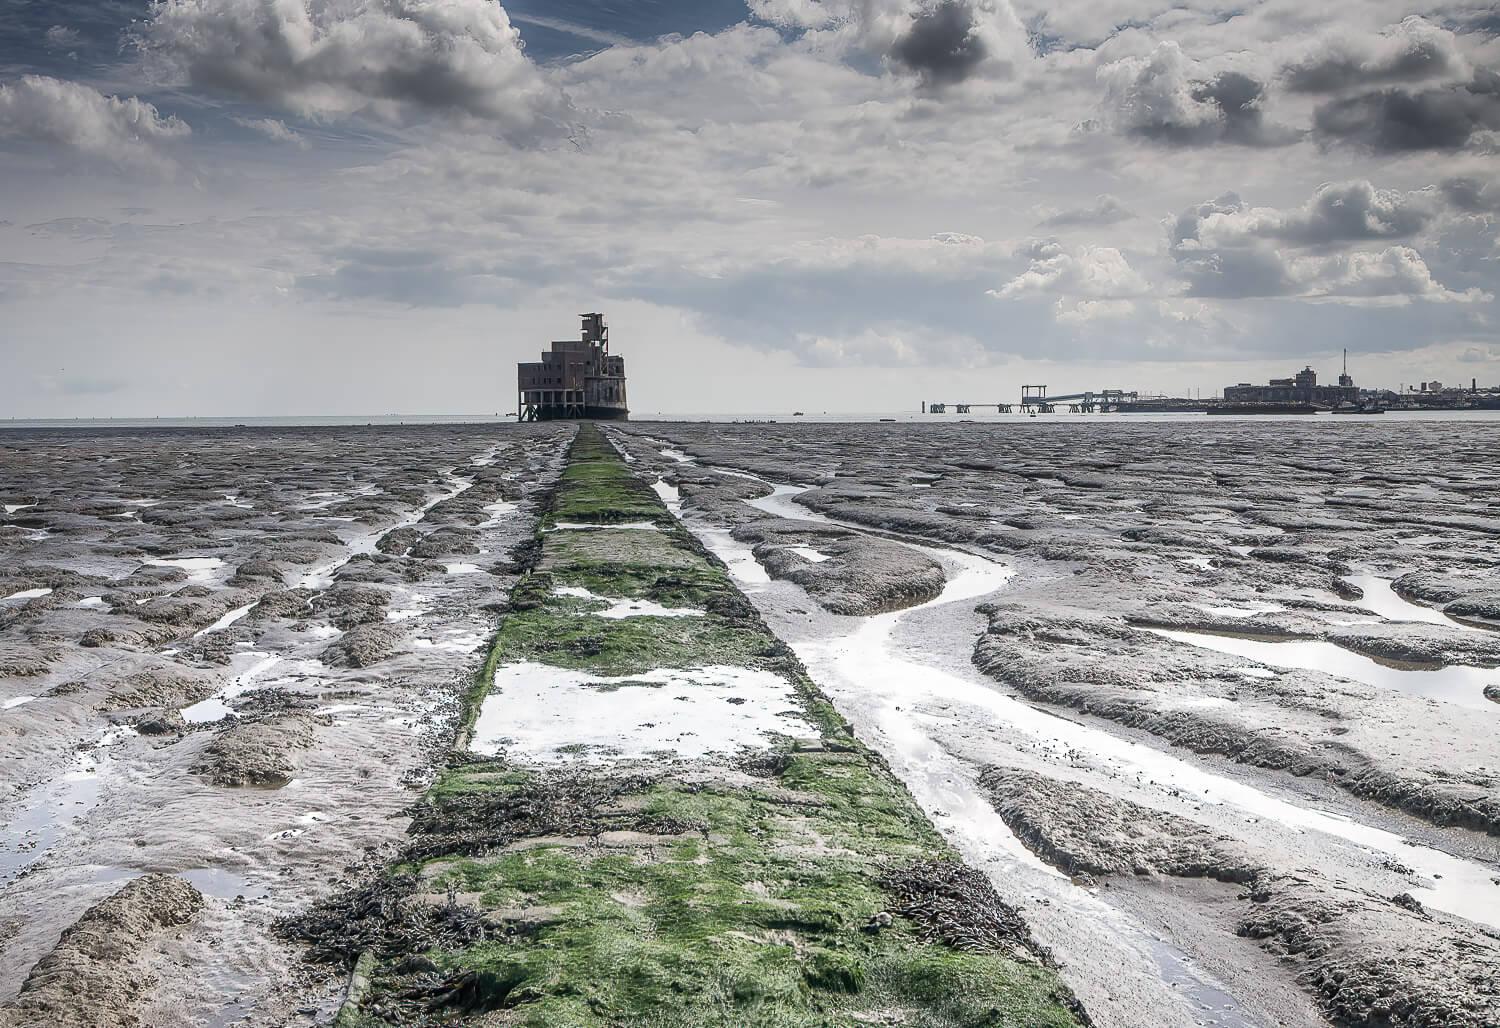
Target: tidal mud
column 101, row 969
column 832, row 725
column 226, row 677
column 1109, row 541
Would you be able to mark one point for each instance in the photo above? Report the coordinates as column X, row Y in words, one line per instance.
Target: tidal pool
column 1451, row 683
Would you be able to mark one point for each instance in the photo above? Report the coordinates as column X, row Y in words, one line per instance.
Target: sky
column 282, row 207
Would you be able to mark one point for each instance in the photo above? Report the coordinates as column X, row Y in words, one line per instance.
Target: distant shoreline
column 898, row 417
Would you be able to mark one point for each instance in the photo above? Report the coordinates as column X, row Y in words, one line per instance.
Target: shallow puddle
column 223, row 883
column 249, row 667
column 1382, row 598
column 321, row 577
column 35, row 827
column 1452, row 684
column 199, row 569
column 627, row 608
column 454, row 640
column 540, row 714
column 1246, row 611
column 581, row 526
column 498, row 513
column 227, row 620
column 808, row 553
column 670, row 495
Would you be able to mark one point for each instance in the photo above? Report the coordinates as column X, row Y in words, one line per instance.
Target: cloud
column 1480, row 355
column 1395, row 273
column 1471, row 195
column 1084, row 311
column 890, row 346
column 1105, row 210
column 1167, row 98
column 69, row 114
column 1097, row 272
column 942, row 42
column 941, row 46
column 394, row 59
column 273, row 129
column 1226, row 250
column 411, row 278
column 800, row 14
column 89, row 385
column 1338, row 212
column 72, row 228
column 1395, row 120
column 1413, row 51
column 60, row 37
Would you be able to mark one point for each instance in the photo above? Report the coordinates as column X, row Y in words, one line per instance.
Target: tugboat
column 1363, row 407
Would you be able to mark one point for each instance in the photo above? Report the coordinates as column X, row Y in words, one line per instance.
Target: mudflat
column 831, row 724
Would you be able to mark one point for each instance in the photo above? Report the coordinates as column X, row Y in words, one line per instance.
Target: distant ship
column 577, row 378
column 1263, row 408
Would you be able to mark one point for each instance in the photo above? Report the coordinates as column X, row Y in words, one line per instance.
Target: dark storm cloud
column 1352, row 212
column 1238, row 97
column 941, row 44
column 1482, row 20
column 1234, row 274
column 1165, row 97
column 1395, row 120
column 1240, row 120
column 1472, row 195
column 1413, row 51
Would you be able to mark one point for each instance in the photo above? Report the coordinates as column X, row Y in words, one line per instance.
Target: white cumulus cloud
column 1095, row 272
column 70, row 114
column 394, row 59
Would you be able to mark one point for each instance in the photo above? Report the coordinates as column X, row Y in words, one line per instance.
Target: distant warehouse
column 1300, row 388
column 577, row 378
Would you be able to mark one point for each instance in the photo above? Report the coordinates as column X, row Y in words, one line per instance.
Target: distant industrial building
column 577, row 378
column 1300, row 388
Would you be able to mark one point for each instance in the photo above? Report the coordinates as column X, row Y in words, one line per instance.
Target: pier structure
column 1087, row 402
column 963, row 408
column 1036, row 400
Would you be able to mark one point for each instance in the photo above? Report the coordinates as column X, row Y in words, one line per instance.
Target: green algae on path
column 787, row 882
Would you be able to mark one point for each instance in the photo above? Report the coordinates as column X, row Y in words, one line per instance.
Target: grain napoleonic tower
column 576, row 378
